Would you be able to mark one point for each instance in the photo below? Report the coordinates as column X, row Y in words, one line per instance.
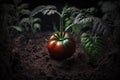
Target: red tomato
column 61, row 45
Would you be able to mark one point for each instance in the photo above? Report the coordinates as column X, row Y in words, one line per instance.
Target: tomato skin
column 61, row 49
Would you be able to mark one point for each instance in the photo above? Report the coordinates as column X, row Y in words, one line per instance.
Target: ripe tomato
column 61, row 45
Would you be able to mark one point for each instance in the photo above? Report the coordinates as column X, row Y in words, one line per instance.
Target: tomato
column 61, row 45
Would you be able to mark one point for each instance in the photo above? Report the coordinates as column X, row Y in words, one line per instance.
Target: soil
column 29, row 60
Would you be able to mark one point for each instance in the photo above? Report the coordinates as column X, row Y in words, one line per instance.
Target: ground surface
column 30, row 60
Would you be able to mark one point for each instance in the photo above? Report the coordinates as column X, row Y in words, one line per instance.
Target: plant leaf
column 37, row 26
column 72, row 10
column 49, row 9
column 25, row 12
column 78, row 18
column 24, row 20
column 22, row 6
column 98, row 27
column 93, row 46
column 18, row 28
column 35, row 20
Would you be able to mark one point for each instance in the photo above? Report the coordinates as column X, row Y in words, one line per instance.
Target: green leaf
column 46, row 10
column 22, row 6
column 51, row 12
column 24, row 20
column 76, row 29
column 30, row 24
column 18, row 28
column 35, row 20
column 87, row 40
column 25, row 12
column 87, row 44
column 37, row 26
column 72, row 10
column 83, row 39
column 85, row 35
column 93, row 46
column 68, row 22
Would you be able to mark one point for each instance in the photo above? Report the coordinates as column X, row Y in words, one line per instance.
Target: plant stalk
column 69, row 26
column 61, row 25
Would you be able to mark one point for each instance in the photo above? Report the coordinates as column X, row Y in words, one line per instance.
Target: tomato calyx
column 60, row 36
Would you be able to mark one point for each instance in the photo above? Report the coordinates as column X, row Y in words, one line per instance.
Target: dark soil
column 29, row 60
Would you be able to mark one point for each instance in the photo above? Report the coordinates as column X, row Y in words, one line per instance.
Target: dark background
column 78, row 3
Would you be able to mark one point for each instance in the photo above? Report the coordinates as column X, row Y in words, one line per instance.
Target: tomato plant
column 61, row 44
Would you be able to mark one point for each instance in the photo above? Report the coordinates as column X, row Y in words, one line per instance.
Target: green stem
column 61, row 24
column 61, row 21
column 69, row 26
